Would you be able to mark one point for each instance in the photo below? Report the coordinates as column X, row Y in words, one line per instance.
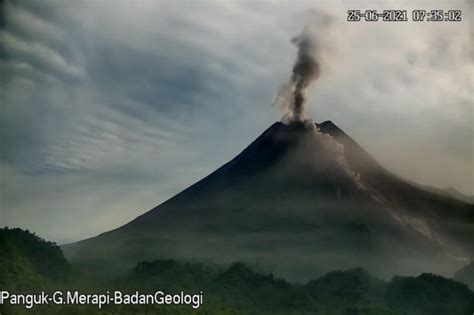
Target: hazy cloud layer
column 110, row 107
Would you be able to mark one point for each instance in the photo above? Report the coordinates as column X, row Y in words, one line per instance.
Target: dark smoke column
column 305, row 70
column 317, row 47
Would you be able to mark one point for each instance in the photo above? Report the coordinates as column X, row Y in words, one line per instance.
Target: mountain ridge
column 299, row 189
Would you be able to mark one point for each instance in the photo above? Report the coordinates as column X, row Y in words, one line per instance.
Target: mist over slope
column 301, row 200
column 29, row 263
column 466, row 275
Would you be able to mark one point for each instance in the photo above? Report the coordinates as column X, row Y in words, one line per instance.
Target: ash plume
column 305, row 70
column 313, row 45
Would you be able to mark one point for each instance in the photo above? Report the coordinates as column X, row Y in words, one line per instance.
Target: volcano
column 301, row 200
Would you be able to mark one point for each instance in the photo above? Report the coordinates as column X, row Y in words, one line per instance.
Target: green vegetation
column 429, row 294
column 30, row 264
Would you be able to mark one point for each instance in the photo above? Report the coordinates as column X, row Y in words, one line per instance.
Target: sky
column 109, row 108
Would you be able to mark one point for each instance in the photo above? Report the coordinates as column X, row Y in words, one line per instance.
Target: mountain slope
column 466, row 275
column 298, row 201
column 443, row 219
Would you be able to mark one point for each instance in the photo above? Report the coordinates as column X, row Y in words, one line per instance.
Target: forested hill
column 29, row 264
column 28, row 261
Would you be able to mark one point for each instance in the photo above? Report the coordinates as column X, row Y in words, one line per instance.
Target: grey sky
column 111, row 107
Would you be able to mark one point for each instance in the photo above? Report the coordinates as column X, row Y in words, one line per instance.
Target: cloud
column 119, row 106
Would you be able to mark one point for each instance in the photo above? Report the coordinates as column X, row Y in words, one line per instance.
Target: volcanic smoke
column 305, row 70
column 314, row 44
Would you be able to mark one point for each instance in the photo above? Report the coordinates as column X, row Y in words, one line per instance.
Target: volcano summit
column 301, row 200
